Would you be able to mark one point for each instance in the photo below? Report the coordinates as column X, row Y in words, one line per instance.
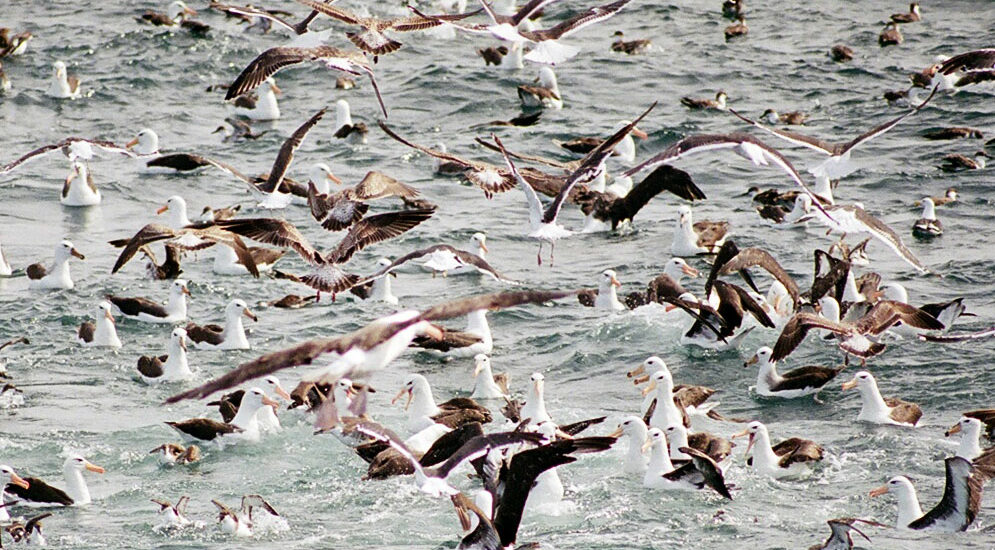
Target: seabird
column 733, row 8
column 273, row 197
column 372, row 39
column 840, row 538
column 486, row 384
column 797, row 382
column 272, row 60
column 143, row 309
column 261, row 107
column 970, row 430
column 176, row 13
column 956, row 161
column 266, row 17
column 748, row 147
column 145, row 143
column 4, row 81
column 74, row 148
column 719, row 103
column 503, row 56
column 625, row 149
column 770, row 116
column 371, row 347
column 703, row 237
column 337, row 211
column 975, row 66
column 173, row 515
column 912, row 16
column 63, row 86
column 326, row 274
column 717, row 448
column 30, row 532
column 13, row 45
column 242, row 523
column 173, row 453
column 227, row 262
column 353, row 132
column 424, row 411
column 534, row 408
column 543, row 224
column 635, row 429
column 758, row 257
column 630, row 47
column 791, row 457
column 544, row 96
column 57, row 276
column 672, row 404
column 231, row 336
column 100, row 332
column 857, row 336
column 954, row 132
column 172, row 367
column 841, row 53
column 548, row 50
column 378, row 289
column 737, row 29
column 852, row 219
column 949, row 196
column 881, row 410
column 838, row 164
column 244, row 427
column 719, row 327
column 235, row 130
column 956, row 510
column 890, row 36
column 610, row 209
column 928, row 225
column 38, row 493
column 78, row 188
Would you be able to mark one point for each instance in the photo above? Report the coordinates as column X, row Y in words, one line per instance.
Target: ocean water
column 90, row 401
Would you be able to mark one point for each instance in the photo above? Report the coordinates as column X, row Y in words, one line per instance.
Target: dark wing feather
column 272, row 231
column 272, row 60
column 373, row 229
column 148, row 234
column 797, row 327
column 759, row 257
column 286, row 154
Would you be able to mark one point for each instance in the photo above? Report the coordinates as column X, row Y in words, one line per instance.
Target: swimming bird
column 73, row 148
column 227, row 262
column 176, row 13
column 534, row 408
column 57, row 276
column 607, row 298
column 13, row 45
column 635, row 429
column 11, row 479
column 353, row 132
column 235, row 130
column 244, row 427
column 890, row 36
column 29, row 532
column 371, row 347
column 791, row 457
column 624, row 150
column 38, row 493
column 486, row 384
column 797, row 382
column 840, row 538
column 841, row 53
column 659, row 462
column 337, row 211
column 241, row 523
column 78, row 188
column 143, row 309
column 102, row 331
column 424, row 411
column 372, row 38
column 64, row 85
column 476, row 338
column 881, row 410
column 770, row 116
column 913, row 15
column 956, row 161
column 668, row 283
column 631, row 47
column 262, row 107
column 145, row 143
column 858, row 337
column 173, row 453
column 174, row 515
column 172, row 367
column 737, row 29
column 273, row 60
column 719, row 103
column 838, row 164
column 957, row 509
column 544, row 96
column 188, row 237
column 717, row 448
column 954, row 132
column 231, row 336
column 949, row 196
column 970, row 430
column 928, row 225
column 703, row 237
column 378, row 289
column 544, row 226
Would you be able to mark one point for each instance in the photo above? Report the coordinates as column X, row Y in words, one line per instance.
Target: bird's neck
column 659, row 460
column 909, row 509
column 763, row 456
column 873, row 403
column 423, row 403
column 177, row 304
column 76, row 486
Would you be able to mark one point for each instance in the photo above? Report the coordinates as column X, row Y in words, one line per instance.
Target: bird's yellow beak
column 639, row 133
column 752, row 361
column 19, row 481
column 690, row 271
column 850, row 384
column 878, row 491
column 94, row 468
column 131, row 143
column 953, row 429
column 162, row 209
column 250, row 315
column 615, row 283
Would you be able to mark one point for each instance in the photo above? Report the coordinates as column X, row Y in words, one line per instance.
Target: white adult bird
column 635, row 429
column 266, row 415
column 79, row 189
column 63, row 85
column 231, row 336
column 791, row 457
column 5, row 269
column 172, row 367
column 145, row 143
column 37, row 493
column 659, row 462
column 265, row 107
column 485, row 384
column 143, row 309
column 881, row 410
column 607, row 298
column 345, row 128
column 57, row 276
column 970, row 430
column 535, row 403
column 687, row 239
column 545, row 95
column 102, row 331
column 909, row 509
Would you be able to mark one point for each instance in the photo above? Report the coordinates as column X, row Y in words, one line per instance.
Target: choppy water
column 88, row 400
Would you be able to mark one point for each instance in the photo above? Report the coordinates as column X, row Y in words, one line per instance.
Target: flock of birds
column 670, row 445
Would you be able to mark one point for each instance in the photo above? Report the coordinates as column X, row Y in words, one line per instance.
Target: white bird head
column 609, row 280
column 78, row 463
column 65, row 249
column 145, row 143
column 238, row 307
